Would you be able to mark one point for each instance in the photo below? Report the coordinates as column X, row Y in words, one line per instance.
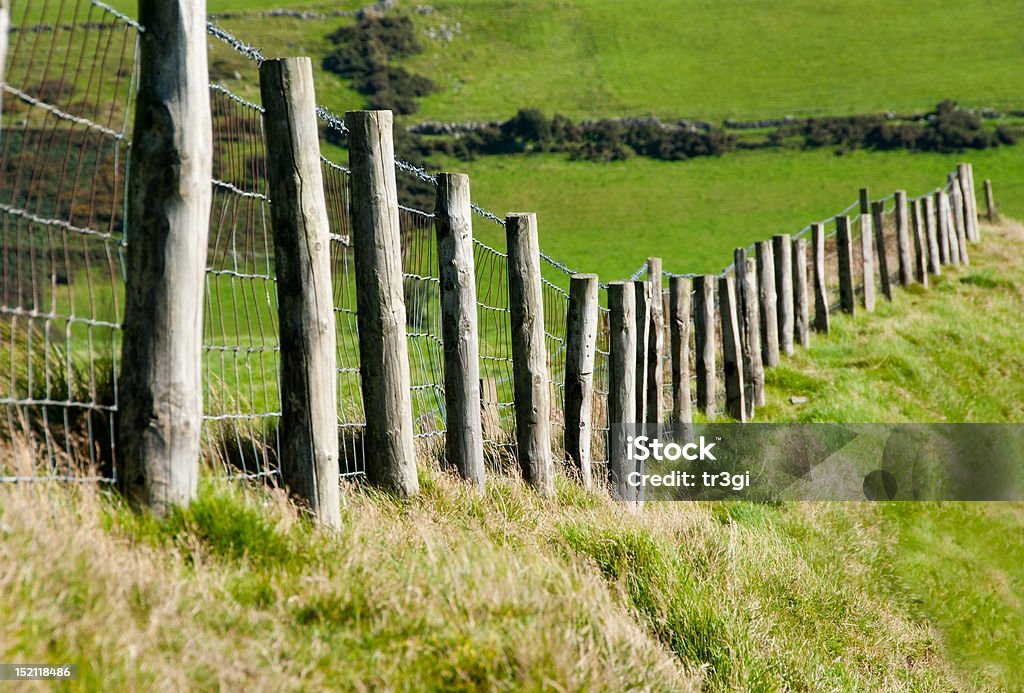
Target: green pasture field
column 607, row 218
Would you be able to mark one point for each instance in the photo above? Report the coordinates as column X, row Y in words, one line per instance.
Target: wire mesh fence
column 66, row 119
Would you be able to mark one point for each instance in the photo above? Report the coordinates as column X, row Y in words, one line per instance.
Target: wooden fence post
column 782, row 252
column 941, row 203
column 580, row 346
column 655, row 408
column 878, row 222
column 643, row 331
column 903, row 239
column 622, row 376
column 704, row 342
column 529, row 353
column 490, row 414
column 959, row 219
column 732, row 354
column 946, row 207
column 920, row 244
column 169, row 197
column 380, row 303
column 750, row 329
column 752, row 313
column 965, row 172
column 821, row 317
column 867, row 253
column 801, row 300
column 464, row 436
column 769, row 304
column 990, row 202
column 679, row 290
column 845, row 250
column 931, row 229
column 305, row 293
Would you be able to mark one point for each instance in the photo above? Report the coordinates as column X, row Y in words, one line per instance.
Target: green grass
column 607, row 218
column 458, row 591
column 949, row 354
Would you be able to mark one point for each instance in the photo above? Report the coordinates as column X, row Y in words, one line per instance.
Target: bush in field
column 364, row 53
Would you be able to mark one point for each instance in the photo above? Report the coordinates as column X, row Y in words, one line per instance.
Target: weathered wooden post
column 845, row 251
column 782, row 252
column 920, row 244
column 867, row 253
column 750, row 329
column 464, row 436
column 931, row 231
column 990, row 202
column 169, row 196
column 580, row 348
column 679, row 290
column 305, row 293
column 959, row 219
column 752, row 313
column 878, row 222
column 821, row 317
column 903, row 239
column 490, row 413
column 801, row 300
column 941, row 203
column 643, row 331
column 704, row 342
column 380, row 303
column 732, row 358
column 769, row 304
column 965, row 172
column 950, row 224
column 529, row 353
column 655, row 407
column 622, row 376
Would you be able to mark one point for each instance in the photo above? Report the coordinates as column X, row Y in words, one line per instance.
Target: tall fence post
column 845, row 250
column 769, row 304
column 169, row 197
column 750, row 329
column 655, row 408
column 867, row 253
column 464, row 436
column 920, row 244
column 752, row 313
column 821, row 317
column 529, row 353
column 380, row 303
column 903, row 239
column 959, row 219
column 732, row 354
column 782, row 253
column 990, row 202
column 679, row 290
column 580, row 346
column 305, row 293
column 941, row 203
column 622, row 376
column 704, row 342
column 931, row 228
column 801, row 300
column 965, row 172
column 946, row 207
column 878, row 222
column 643, row 332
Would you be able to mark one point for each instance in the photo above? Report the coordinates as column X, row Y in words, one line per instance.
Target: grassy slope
column 511, row 591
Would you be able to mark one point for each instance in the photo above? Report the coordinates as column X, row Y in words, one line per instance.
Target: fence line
column 64, row 235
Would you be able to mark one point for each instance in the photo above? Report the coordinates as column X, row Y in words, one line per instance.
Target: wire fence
column 63, row 158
